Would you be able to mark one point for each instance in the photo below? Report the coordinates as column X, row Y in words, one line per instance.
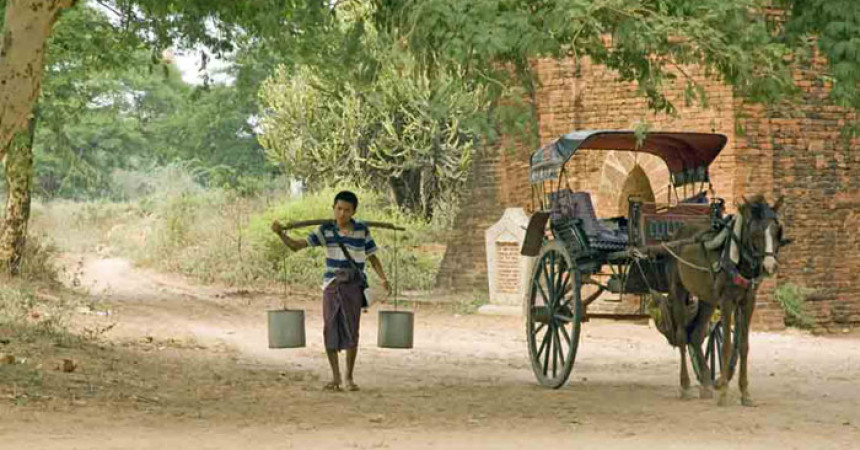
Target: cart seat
column 700, row 198
column 609, row 235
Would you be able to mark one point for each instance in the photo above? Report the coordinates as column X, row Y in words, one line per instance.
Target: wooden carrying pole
column 309, row 223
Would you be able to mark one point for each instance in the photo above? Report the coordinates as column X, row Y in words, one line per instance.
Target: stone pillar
column 507, row 270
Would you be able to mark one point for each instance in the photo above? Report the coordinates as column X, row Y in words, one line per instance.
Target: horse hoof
column 747, row 401
column 706, row 393
column 686, row 394
column 723, row 400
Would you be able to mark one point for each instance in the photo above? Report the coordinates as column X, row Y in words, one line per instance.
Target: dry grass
column 218, row 236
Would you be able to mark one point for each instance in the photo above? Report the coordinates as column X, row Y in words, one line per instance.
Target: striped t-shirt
column 358, row 242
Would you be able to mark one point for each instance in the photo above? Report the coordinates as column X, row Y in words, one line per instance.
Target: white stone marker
column 507, row 270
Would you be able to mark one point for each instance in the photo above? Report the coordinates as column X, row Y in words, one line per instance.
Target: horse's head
column 762, row 233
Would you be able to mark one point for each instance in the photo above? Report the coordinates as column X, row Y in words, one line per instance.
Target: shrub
column 417, row 266
column 38, row 262
column 224, row 235
column 792, row 299
column 79, row 226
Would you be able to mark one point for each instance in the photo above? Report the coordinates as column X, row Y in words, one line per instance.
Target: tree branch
column 110, row 8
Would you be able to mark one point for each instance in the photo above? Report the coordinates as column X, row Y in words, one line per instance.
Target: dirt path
column 210, row 382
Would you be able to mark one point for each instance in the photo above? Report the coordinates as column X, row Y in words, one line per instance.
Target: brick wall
column 797, row 155
column 590, row 97
column 797, row 152
column 464, row 266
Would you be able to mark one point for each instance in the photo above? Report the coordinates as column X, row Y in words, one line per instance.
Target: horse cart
column 579, row 257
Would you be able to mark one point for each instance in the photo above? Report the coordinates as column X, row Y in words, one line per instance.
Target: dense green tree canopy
column 108, row 102
column 105, row 106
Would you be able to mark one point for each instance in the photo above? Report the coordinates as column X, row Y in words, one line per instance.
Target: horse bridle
column 755, row 258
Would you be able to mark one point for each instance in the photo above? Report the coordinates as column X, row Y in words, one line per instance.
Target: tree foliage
column 326, row 119
column 108, row 103
column 105, row 106
column 833, row 26
column 411, row 129
column 646, row 41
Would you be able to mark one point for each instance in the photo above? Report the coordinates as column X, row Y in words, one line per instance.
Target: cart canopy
column 687, row 155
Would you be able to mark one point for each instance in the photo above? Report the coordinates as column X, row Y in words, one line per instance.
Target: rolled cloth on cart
column 341, row 315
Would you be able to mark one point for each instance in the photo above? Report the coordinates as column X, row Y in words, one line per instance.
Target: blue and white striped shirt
column 358, row 242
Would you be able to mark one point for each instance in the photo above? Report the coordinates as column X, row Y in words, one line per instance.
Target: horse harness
column 746, row 253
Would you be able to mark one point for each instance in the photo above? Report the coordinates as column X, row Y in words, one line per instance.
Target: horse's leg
column 744, row 346
column 726, row 309
column 686, row 391
column 697, row 336
column 678, row 297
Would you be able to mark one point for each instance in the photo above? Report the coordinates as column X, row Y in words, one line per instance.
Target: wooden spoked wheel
column 554, row 315
column 714, row 352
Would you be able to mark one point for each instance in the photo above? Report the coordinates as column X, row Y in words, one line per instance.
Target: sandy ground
column 187, row 366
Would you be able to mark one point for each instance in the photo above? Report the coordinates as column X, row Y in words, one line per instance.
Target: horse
column 722, row 268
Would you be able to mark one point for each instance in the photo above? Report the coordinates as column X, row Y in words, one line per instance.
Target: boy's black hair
column 348, row 197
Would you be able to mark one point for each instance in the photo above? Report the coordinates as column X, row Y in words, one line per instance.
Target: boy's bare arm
column 377, row 266
column 294, row 244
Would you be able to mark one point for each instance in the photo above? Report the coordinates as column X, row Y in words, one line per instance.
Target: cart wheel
column 554, row 315
column 714, row 352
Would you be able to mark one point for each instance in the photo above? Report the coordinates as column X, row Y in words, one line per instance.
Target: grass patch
column 34, row 302
column 469, row 303
column 33, row 310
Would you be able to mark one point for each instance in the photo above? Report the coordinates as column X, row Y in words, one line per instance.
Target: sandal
column 332, row 387
column 350, row 386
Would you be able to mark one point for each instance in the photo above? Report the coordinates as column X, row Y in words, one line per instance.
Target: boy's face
column 343, row 211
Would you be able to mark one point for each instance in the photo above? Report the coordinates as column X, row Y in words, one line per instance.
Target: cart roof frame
column 687, row 155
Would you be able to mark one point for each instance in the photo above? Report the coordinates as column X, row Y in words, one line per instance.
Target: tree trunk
column 429, row 191
column 27, row 25
column 19, row 178
column 26, row 28
column 407, row 190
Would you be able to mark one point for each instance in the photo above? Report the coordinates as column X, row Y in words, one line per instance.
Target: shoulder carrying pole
column 309, row 223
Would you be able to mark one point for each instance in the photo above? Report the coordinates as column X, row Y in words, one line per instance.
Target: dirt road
column 187, row 367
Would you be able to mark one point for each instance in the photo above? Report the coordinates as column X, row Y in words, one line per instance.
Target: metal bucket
column 286, row 328
column 395, row 329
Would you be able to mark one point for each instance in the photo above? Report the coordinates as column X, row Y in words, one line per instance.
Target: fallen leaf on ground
column 68, row 366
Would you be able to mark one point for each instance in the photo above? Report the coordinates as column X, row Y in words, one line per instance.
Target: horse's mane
column 755, row 199
column 756, row 205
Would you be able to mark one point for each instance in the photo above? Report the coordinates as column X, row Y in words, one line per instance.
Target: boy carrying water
column 343, row 292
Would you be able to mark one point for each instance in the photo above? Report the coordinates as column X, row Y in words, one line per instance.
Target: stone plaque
column 507, row 270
